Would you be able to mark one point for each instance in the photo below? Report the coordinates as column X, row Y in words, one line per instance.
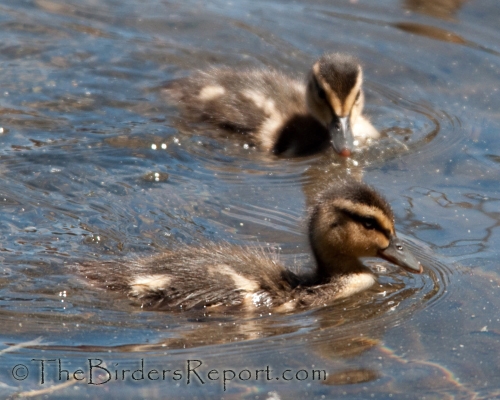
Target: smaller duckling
column 349, row 221
column 282, row 115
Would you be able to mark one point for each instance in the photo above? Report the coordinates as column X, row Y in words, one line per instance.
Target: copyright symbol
column 20, row 372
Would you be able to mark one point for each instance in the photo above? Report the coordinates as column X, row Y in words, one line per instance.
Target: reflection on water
column 431, row 32
column 445, row 9
column 95, row 166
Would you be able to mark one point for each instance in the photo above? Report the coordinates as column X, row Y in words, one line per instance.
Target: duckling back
column 201, row 277
column 266, row 105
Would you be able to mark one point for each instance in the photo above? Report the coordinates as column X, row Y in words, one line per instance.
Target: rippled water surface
column 95, row 165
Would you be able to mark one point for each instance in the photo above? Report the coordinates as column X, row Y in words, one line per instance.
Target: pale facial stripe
column 331, row 95
column 340, row 109
column 364, row 211
column 351, row 98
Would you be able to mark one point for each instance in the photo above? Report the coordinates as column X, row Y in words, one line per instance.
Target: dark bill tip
column 398, row 254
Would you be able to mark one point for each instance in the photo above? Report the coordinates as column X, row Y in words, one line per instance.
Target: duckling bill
column 280, row 114
column 348, row 222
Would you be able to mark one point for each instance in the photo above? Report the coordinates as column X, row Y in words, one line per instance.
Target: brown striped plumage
column 349, row 221
column 280, row 114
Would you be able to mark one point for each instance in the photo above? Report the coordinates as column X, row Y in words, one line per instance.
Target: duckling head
column 351, row 221
column 335, row 97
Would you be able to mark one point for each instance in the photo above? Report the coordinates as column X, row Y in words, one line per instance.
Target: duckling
column 350, row 220
column 282, row 115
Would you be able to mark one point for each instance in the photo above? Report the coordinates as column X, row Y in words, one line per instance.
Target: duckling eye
column 357, row 96
column 369, row 224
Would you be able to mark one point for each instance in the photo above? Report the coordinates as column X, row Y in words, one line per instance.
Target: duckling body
column 349, row 221
column 280, row 114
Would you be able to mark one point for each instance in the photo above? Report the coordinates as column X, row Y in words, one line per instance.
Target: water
column 96, row 166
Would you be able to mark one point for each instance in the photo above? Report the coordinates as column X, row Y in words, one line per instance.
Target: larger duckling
column 349, row 221
column 282, row 115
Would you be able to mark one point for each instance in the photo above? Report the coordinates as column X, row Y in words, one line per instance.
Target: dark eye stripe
column 357, row 96
column 321, row 91
column 368, row 222
column 322, row 96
